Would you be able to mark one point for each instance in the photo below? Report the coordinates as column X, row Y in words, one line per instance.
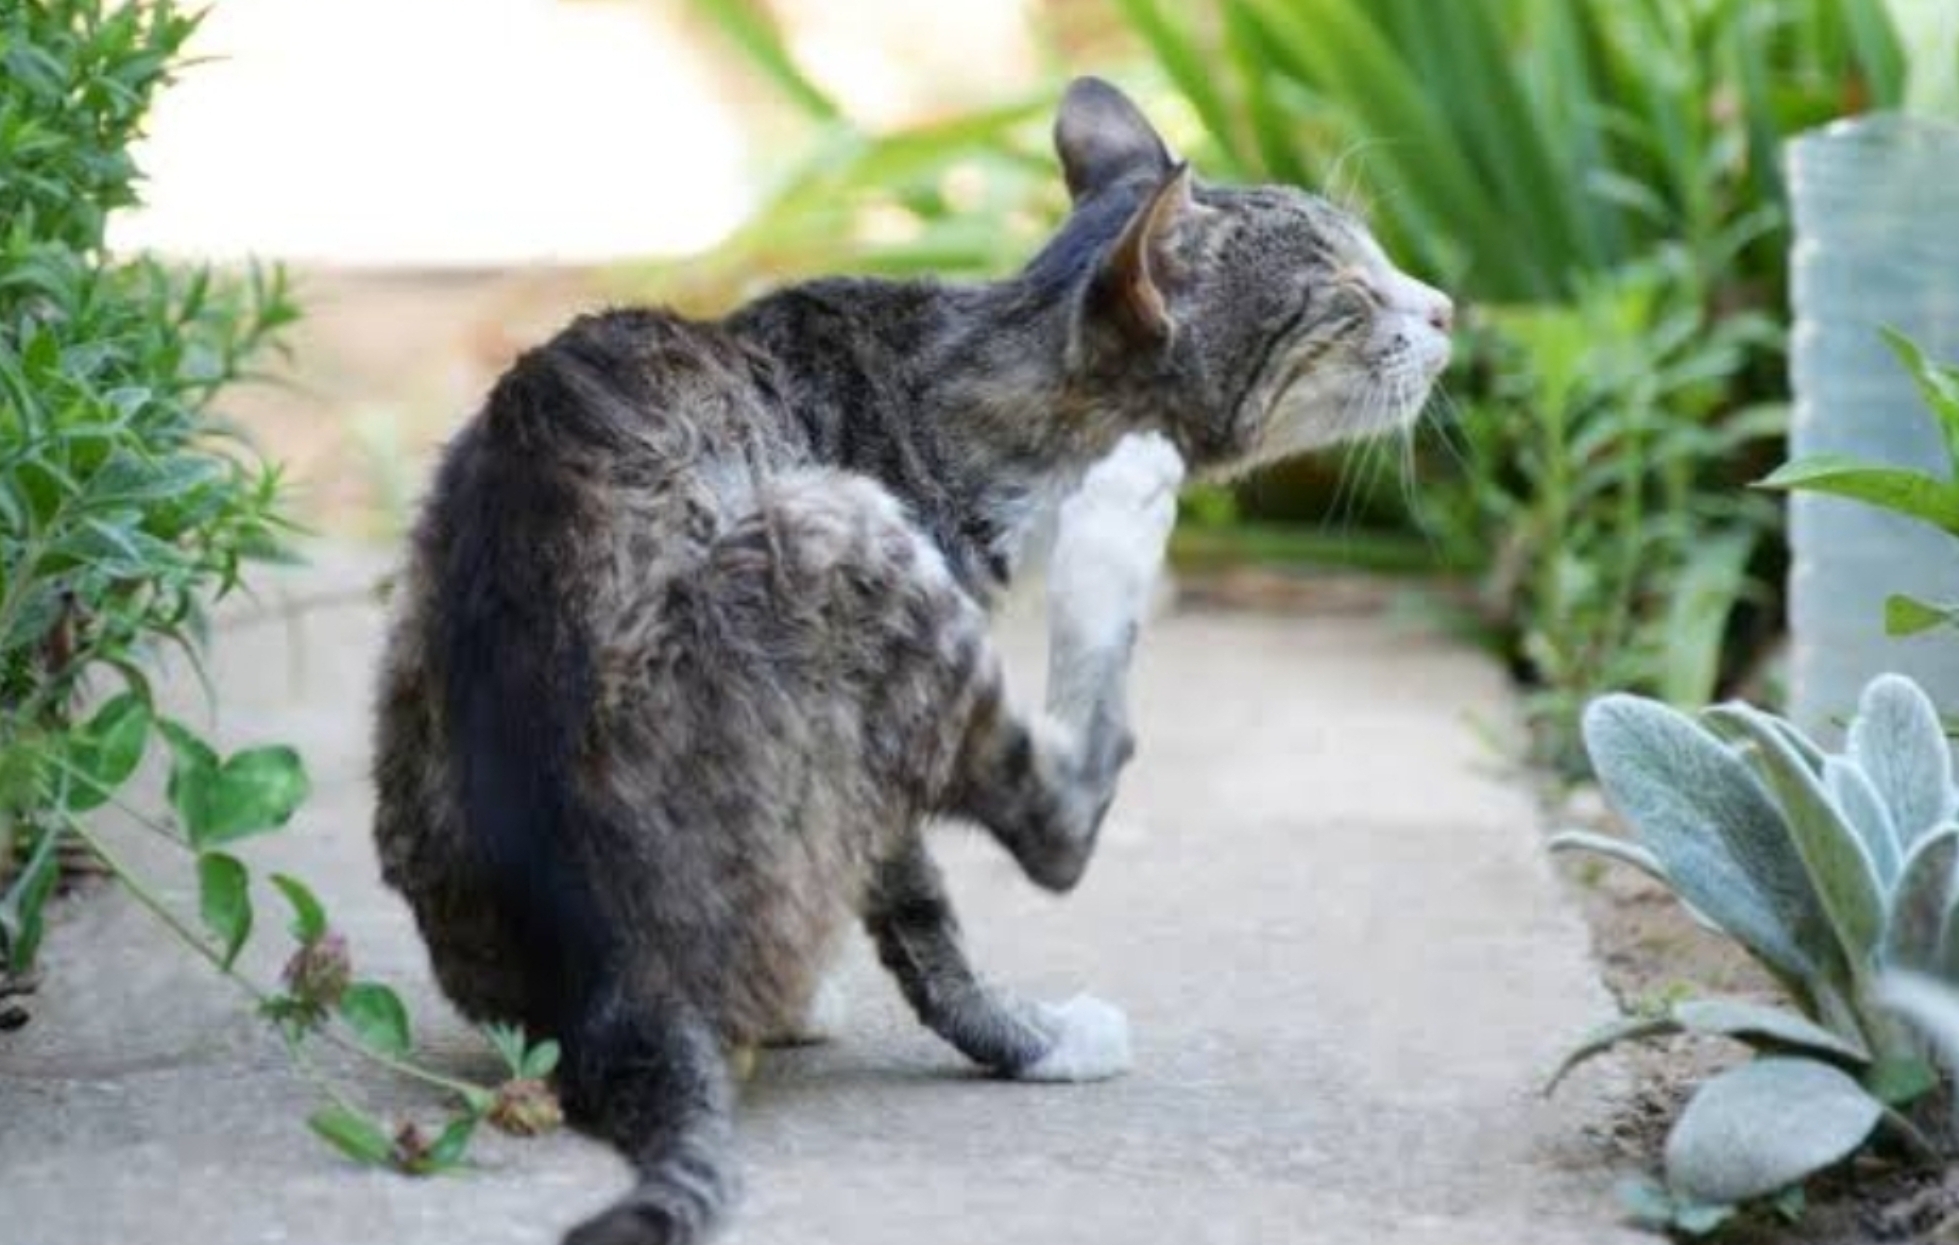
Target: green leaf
column 1851, row 788
column 1908, row 616
column 1699, row 1218
column 1647, row 1203
column 1909, row 493
column 1605, row 1037
column 1900, row 1080
column 353, row 1134
column 1703, row 598
column 748, row 24
column 1912, row 937
column 1837, row 864
column 508, row 1042
column 309, row 918
column 21, row 921
column 1622, row 850
column 255, row 790
column 1192, row 67
column 377, row 1017
column 1898, row 741
column 107, row 751
column 542, row 1060
column 1711, row 824
column 452, row 1145
column 1931, row 1005
column 1938, row 386
column 1759, row 1128
column 224, row 900
column 1771, row 1027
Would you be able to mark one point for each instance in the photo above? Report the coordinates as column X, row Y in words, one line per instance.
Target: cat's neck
column 957, row 397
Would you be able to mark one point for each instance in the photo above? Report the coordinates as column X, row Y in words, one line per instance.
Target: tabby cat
column 692, row 640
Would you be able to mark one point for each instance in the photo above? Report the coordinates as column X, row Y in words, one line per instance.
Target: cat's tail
column 653, row 1080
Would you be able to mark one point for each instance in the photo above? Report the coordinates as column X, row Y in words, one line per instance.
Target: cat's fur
column 692, row 640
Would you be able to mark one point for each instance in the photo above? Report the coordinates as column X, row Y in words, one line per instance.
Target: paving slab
column 1321, row 898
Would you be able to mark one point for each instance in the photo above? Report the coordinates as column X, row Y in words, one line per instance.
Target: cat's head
column 1250, row 323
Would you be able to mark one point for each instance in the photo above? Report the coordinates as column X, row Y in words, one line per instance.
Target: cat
column 692, row 638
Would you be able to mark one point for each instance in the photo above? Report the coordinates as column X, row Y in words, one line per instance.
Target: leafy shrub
column 1835, row 872
column 1600, row 486
column 126, row 507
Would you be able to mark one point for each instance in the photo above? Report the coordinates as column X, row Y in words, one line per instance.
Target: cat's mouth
column 1325, row 393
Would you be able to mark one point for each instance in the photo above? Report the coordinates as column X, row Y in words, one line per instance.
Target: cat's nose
column 1442, row 313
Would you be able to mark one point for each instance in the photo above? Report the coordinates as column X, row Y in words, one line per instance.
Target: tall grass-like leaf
column 1836, row 862
column 1194, row 69
column 1335, row 49
column 1712, row 825
column 748, row 25
column 1697, row 619
column 1899, row 742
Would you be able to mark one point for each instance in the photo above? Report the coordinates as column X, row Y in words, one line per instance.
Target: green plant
column 127, row 506
column 1917, row 495
column 1836, row 873
column 1510, row 147
column 1597, row 484
column 1517, row 145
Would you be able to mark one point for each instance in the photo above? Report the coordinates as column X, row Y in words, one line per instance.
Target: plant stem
column 148, row 898
column 141, row 892
column 465, row 1090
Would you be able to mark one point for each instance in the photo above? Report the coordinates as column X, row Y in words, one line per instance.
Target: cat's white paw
column 1110, row 545
column 1091, row 1042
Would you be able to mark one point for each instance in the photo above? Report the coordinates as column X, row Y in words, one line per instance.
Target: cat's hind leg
column 910, row 918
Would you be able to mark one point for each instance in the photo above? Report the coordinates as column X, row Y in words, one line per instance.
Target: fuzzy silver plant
column 1837, row 873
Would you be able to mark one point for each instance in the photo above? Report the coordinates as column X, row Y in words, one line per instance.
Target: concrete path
column 1346, row 963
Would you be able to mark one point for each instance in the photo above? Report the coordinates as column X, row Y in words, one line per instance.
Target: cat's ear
column 1103, row 139
column 1130, row 291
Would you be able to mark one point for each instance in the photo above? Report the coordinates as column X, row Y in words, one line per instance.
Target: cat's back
column 617, row 450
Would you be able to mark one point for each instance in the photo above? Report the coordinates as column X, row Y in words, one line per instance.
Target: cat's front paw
column 1110, row 545
column 1091, row 1042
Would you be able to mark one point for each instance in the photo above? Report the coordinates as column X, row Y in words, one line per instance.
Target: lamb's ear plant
column 1837, row 873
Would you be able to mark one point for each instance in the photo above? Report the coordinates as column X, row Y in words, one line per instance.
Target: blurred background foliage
column 1597, row 180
